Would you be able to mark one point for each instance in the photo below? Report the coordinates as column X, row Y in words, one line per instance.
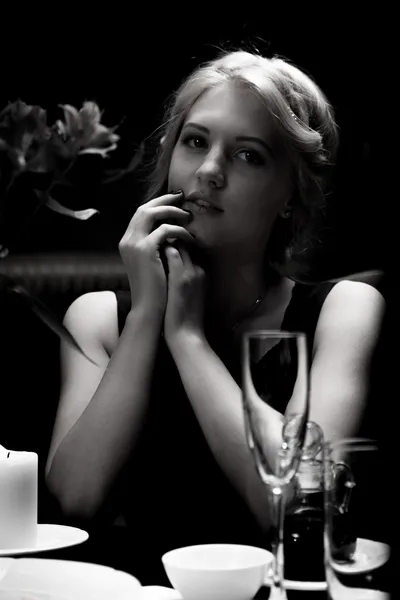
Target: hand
column 186, row 293
column 140, row 249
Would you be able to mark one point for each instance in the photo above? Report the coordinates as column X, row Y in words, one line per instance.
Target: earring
column 287, row 213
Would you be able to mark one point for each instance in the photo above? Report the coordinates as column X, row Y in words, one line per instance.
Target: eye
column 194, row 141
column 251, row 156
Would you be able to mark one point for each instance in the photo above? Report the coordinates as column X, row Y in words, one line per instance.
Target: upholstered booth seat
column 29, row 351
column 66, row 273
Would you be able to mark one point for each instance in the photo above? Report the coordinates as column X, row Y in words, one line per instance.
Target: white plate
column 369, row 555
column 5, row 565
column 48, row 579
column 158, row 592
column 27, row 595
column 307, row 586
column 50, row 537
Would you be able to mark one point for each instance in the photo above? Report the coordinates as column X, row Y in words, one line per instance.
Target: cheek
column 262, row 201
column 261, row 209
column 171, row 172
column 272, row 198
column 178, row 171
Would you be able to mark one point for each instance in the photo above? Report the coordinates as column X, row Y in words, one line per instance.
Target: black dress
column 177, row 494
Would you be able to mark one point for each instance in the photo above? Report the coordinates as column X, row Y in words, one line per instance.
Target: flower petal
column 59, row 127
column 100, row 137
column 90, row 113
column 72, row 117
column 82, row 215
column 101, row 151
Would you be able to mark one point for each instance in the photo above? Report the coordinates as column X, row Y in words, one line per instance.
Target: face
column 228, row 164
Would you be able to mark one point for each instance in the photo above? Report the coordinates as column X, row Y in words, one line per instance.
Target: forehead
column 234, row 109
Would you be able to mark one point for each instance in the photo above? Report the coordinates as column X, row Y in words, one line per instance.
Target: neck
column 234, row 288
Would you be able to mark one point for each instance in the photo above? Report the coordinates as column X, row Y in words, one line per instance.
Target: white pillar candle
column 18, row 499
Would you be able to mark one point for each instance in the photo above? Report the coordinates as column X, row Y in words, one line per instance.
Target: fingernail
column 177, row 192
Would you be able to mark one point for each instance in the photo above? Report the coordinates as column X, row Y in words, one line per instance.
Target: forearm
column 216, row 401
column 93, row 454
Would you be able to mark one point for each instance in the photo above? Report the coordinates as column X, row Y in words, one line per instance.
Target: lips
column 202, row 203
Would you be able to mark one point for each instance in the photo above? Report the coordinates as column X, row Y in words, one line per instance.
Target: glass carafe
column 304, row 517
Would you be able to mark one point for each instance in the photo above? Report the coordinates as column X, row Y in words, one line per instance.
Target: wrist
column 186, row 340
column 145, row 316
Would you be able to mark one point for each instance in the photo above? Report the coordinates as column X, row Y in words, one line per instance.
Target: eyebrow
column 240, row 138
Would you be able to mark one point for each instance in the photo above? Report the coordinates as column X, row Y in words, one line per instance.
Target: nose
column 212, row 171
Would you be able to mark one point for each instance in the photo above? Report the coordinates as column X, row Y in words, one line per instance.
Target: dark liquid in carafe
column 304, row 545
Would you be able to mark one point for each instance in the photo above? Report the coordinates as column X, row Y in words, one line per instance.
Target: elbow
column 77, row 503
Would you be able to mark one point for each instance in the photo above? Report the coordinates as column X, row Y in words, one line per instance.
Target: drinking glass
column 274, row 368
column 357, row 526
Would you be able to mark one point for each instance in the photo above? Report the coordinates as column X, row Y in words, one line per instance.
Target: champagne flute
column 274, row 369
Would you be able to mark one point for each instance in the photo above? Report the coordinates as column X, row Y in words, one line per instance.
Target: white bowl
column 217, row 571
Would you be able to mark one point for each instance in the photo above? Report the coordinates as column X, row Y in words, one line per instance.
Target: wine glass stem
column 277, row 588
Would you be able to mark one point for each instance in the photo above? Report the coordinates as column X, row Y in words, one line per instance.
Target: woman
column 156, row 426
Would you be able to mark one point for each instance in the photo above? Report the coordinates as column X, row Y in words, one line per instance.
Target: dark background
column 129, row 62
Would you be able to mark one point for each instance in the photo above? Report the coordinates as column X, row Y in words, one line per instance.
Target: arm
column 101, row 407
column 345, row 339
column 217, row 403
column 346, row 335
column 212, row 391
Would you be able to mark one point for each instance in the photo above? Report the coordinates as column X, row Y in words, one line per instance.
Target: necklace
column 248, row 312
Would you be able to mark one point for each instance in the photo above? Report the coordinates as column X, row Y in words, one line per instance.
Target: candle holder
column 20, row 532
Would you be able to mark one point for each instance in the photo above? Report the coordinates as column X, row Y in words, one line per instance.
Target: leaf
column 41, row 311
column 82, row 215
column 103, row 152
column 132, row 165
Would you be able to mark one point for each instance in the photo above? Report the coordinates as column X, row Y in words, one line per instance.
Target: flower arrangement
column 36, row 163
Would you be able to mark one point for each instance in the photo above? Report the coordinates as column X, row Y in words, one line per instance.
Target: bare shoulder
column 92, row 319
column 353, row 311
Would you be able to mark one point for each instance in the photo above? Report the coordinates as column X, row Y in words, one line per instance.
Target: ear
column 289, row 203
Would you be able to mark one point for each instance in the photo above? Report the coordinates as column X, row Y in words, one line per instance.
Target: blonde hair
column 304, row 119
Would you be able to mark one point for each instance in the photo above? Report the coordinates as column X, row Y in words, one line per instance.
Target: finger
column 146, row 218
column 200, row 272
column 185, row 257
column 168, row 212
column 173, row 258
column 141, row 212
column 170, row 198
column 160, row 235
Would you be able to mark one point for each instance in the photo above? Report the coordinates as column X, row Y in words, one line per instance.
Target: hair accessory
column 292, row 113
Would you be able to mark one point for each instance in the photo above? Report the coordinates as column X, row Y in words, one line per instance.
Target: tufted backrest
column 59, row 273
